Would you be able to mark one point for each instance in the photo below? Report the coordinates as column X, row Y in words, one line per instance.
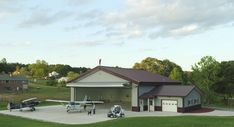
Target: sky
column 120, row 32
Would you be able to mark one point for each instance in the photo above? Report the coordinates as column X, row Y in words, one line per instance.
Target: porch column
column 135, row 105
column 73, row 94
column 148, row 104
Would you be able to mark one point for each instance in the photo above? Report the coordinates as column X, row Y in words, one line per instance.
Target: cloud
column 97, row 43
column 16, row 44
column 120, row 43
column 78, row 2
column 185, row 30
column 89, row 43
column 160, row 18
column 72, row 28
column 4, row 15
column 43, row 17
column 8, row 8
column 146, row 50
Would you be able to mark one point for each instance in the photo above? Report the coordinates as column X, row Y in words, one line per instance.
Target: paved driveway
column 58, row 114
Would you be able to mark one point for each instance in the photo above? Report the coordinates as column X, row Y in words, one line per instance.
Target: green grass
column 176, row 121
column 42, row 92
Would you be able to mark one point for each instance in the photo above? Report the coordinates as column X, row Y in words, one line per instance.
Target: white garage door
column 169, row 105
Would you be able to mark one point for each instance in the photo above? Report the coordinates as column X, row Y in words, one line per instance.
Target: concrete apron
column 58, row 114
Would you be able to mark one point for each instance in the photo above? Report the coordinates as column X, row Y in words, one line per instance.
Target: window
column 188, row 102
column 151, row 102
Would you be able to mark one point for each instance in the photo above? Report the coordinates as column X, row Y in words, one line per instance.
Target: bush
column 51, row 82
column 62, row 84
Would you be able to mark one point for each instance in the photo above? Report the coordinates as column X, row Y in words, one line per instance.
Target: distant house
column 53, row 74
column 63, row 79
column 13, row 83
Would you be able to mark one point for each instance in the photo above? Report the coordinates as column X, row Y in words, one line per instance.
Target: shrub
column 51, row 82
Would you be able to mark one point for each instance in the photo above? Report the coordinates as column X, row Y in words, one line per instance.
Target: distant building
column 54, row 74
column 13, row 83
column 63, row 79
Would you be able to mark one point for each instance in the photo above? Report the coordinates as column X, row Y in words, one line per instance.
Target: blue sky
column 121, row 32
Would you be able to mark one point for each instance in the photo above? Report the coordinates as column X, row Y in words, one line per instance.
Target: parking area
column 58, row 114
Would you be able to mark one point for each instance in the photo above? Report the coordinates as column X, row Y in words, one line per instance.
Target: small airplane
column 28, row 104
column 78, row 106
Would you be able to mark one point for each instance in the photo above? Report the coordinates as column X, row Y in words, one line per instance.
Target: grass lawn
column 221, row 106
column 42, row 92
column 176, row 121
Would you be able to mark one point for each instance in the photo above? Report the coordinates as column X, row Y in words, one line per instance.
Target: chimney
column 100, row 62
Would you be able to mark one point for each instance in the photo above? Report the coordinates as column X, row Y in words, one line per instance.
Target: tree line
column 215, row 79
column 40, row 69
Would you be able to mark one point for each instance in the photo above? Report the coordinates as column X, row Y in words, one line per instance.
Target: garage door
column 169, row 105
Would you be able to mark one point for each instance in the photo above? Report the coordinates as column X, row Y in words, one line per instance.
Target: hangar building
column 140, row 90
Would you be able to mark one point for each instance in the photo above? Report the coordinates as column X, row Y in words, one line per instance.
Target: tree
column 168, row 66
column 39, row 69
column 17, row 70
column 24, row 71
column 149, row 64
column 3, row 61
column 72, row 75
column 176, row 74
column 225, row 84
column 164, row 68
column 61, row 69
column 187, row 78
column 205, row 74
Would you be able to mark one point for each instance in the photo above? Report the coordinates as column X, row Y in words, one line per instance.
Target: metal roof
column 8, row 77
column 169, row 90
column 133, row 75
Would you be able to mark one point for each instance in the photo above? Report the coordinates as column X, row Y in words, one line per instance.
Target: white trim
column 94, row 85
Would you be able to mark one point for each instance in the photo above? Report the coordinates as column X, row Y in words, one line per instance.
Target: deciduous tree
column 225, row 84
column 205, row 74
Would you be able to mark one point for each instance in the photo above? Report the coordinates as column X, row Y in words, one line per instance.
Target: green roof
column 8, row 77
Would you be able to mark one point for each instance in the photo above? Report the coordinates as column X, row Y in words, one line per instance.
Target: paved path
column 58, row 114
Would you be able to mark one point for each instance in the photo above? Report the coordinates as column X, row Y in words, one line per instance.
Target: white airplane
column 79, row 106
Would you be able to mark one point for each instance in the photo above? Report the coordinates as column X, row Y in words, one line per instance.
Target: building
column 13, row 83
column 63, row 79
column 140, row 90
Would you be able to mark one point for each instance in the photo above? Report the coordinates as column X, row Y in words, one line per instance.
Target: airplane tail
column 85, row 98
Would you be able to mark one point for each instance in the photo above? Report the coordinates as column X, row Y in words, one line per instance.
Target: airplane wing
column 61, row 101
column 30, row 99
column 89, row 102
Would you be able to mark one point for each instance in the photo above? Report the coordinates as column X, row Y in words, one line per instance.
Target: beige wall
column 101, row 76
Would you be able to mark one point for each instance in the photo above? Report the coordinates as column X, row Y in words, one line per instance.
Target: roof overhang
column 95, row 85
